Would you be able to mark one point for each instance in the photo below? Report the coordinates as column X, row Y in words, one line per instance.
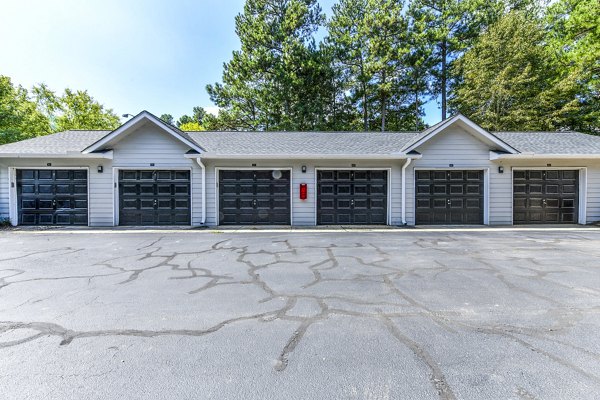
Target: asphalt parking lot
column 408, row 314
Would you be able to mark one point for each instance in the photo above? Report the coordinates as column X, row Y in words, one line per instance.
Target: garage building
column 149, row 173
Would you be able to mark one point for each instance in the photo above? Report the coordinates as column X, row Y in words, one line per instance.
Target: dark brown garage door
column 352, row 197
column 254, row 197
column 545, row 196
column 52, row 196
column 160, row 197
column 449, row 197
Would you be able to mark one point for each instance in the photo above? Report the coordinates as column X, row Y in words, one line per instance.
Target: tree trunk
column 365, row 107
column 417, row 103
column 444, row 76
column 383, row 103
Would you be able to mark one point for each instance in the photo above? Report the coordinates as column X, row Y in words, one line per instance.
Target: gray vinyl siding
column 593, row 192
column 100, row 185
column 150, row 144
column 4, row 212
column 303, row 211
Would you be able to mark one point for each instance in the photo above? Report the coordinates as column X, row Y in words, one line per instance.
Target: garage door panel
column 569, row 174
column 154, row 197
column 552, row 189
column 424, row 189
column 569, row 189
column 536, row 188
column 450, row 197
column 438, row 189
column 163, row 189
column 568, row 218
column 549, row 196
column 254, row 197
column 377, row 204
column 146, row 189
column 347, row 197
column 52, row 197
column 552, row 203
column 519, row 188
column 568, row 203
column 46, row 174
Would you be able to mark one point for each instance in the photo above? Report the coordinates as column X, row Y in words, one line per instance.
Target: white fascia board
column 535, row 156
column 106, row 155
column 129, row 124
column 459, row 117
column 208, row 156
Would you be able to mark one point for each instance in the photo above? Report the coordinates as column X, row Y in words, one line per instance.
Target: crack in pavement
column 330, row 263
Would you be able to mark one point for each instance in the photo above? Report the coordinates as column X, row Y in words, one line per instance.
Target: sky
column 131, row 55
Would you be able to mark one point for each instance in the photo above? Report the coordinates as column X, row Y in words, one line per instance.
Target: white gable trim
column 476, row 128
column 144, row 115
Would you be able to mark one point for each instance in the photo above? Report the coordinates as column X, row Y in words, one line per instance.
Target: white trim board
column 389, row 187
column 470, row 124
column 486, row 189
column 13, row 207
column 115, row 185
column 218, row 199
column 144, row 115
column 582, row 198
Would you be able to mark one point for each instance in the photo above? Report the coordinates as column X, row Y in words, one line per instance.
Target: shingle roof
column 299, row 143
column 58, row 143
column 552, row 142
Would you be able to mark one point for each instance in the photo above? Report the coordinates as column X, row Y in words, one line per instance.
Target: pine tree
column 267, row 84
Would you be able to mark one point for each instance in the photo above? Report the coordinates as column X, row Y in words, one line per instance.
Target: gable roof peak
column 470, row 126
column 135, row 121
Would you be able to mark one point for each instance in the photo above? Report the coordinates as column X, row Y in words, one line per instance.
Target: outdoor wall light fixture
column 304, row 169
column 501, row 169
column 100, row 169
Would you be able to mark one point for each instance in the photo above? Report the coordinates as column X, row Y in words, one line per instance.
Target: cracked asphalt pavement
column 300, row 315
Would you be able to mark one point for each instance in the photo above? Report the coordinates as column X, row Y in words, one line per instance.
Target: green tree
column 573, row 28
column 451, row 27
column 265, row 81
column 369, row 40
column 506, row 77
column 25, row 115
column 197, row 117
column 19, row 116
column 79, row 110
column 167, row 118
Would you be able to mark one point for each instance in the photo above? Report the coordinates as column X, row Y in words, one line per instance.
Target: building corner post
column 203, row 167
column 406, row 164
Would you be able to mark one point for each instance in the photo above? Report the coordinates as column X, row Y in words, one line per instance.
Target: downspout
column 199, row 161
column 406, row 164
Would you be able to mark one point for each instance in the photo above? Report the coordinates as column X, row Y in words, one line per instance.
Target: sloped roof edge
column 144, row 115
column 432, row 131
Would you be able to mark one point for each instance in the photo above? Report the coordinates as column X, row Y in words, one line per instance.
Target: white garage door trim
column 486, row 187
column 156, row 168
column 582, row 213
column 389, row 186
column 218, row 199
column 13, row 209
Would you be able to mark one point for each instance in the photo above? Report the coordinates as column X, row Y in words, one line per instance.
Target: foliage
column 368, row 39
column 167, row 118
column 19, row 116
column 25, row 115
column 269, row 84
column 197, row 117
column 573, row 28
column 191, row 126
column 504, row 76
